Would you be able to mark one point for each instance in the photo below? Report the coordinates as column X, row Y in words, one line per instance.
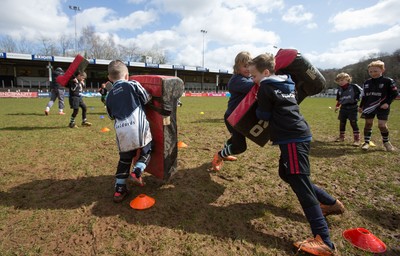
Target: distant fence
column 43, row 84
column 28, row 94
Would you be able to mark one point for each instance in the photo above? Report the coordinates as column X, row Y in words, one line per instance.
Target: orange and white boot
column 217, row 162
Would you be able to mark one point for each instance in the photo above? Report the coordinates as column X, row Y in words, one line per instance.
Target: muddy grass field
column 57, row 183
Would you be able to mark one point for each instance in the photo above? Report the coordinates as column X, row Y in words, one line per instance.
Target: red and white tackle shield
column 78, row 64
column 161, row 114
column 245, row 121
column 308, row 81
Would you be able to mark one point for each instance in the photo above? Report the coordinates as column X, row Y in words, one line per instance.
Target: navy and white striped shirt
column 125, row 104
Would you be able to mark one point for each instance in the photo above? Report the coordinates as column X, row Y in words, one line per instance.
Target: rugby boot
column 315, row 246
column 217, row 163
column 120, row 193
column 388, row 146
column 230, row 158
column 335, row 209
column 86, row 123
column 365, row 146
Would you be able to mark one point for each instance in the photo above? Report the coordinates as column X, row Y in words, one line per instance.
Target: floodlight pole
column 76, row 9
column 204, row 32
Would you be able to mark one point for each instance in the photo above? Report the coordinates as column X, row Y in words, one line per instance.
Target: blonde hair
column 378, row 63
column 117, row 70
column 264, row 61
column 341, row 76
column 242, row 58
column 82, row 74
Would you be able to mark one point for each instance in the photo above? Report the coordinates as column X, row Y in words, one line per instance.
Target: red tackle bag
column 161, row 114
column 307, row 78
column 308, row 81
column 245, row 121
column 78, row 64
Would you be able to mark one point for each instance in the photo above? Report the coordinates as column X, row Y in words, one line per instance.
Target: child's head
column 81, row 76
column 376, row 68
column 241, row 66
column 59, row 71
column 343, row 79
column 117, row 70
column 262, row 66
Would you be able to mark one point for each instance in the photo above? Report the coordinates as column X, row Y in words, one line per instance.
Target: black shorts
column 294, row 158
column 350, row 113
column 75, row 102
column 381, row 114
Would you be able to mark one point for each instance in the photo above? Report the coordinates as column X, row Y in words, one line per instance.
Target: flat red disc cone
column 142, row 202
column 182, row 144
column 364, row 240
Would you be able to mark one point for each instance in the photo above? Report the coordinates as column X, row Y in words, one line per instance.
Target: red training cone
column 182, row 144
column 142, row 202
column 364, row 240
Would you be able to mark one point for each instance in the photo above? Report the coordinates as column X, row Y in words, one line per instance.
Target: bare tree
column 7, row 44
column 86, row 41
column 48, row 46
column 158, row 56
column 26, row 46
column 129, row 53
column 66, row 43
column 94, row 46
column 109, row 49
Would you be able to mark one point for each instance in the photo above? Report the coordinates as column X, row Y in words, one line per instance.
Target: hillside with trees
column 359, row 73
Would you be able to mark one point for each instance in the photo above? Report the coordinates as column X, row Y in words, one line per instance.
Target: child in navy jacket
column 277, row 104
column 239, row 85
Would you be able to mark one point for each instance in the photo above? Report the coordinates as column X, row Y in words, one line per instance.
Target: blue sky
column 331, row 34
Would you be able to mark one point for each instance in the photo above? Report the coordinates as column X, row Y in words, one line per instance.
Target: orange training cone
column 364, row 240
column 182, row 144
column 105, row 129
column 142, row 202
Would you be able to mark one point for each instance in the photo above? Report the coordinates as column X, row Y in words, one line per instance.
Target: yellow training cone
column 201, row 113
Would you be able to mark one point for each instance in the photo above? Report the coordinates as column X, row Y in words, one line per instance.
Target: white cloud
column 229, row 30
column 312, row 25
column 336, row 59
column 351, row 50
column 136, row 1
column 186, row 8
column 385, row 12
column 106, row 20
column 30, row 19
column 257, row 6
column 161, row 39
column 297, row 14
column 199, row 8
column 388, row 40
